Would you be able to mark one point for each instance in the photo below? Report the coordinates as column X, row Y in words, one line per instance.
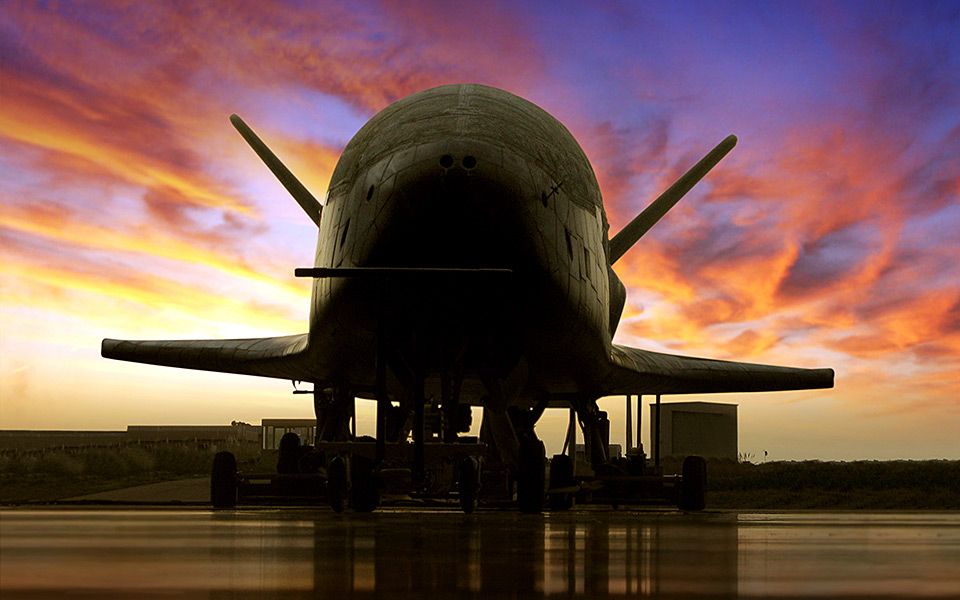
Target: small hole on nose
column 370, row 193
column 446, row 161
column 469, row 162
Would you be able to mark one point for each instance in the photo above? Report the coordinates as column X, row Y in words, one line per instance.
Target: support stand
column 628, row 444
column 383, row 401
column 656, row 443
column 419, row 399
column 639, row 420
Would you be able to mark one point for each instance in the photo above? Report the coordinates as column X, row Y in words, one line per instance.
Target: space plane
column 463, row 255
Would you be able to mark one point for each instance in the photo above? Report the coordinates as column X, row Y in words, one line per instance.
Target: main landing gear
column 618, row 481
column 419, row 458
column 507, row 465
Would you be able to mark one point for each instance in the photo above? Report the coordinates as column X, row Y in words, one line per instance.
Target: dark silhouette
column 464, row 256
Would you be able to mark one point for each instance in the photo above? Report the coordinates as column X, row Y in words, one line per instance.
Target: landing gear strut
column 561, row 477
column 693, row 485
column 530, row 476
column 364, row 489
column 337, row 483
column 223, row 481
column 468, row 484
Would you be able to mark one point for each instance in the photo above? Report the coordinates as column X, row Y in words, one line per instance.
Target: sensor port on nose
column 469, row 162
column 446, row 161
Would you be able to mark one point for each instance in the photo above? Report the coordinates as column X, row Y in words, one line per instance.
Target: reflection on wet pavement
column 439, row 553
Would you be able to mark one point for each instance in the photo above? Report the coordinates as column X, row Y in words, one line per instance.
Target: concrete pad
column 181, row 490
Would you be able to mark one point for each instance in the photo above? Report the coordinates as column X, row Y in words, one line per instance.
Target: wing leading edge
column 279, row 357
column 642, row 371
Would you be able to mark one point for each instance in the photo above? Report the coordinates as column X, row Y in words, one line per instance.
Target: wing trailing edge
column 278, row 357
column 636, row 371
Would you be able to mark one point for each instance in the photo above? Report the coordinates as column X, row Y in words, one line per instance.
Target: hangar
column 707, row 429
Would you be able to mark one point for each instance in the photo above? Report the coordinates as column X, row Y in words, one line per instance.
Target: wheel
column 530, row 476
column 289, row 454
column 223, row 480
column 337, row 483
column 309, row 460
column 468, row 484
column 693, row 484
column 561, row 476
column 364, row 489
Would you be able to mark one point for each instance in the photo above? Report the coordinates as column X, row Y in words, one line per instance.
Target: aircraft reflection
column 568, row 554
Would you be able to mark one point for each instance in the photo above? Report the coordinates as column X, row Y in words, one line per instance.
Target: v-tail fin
column 641, row 224
column 300, row 193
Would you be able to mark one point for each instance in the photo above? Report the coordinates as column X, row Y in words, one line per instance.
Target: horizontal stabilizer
column 279, row 357
column 301, row 194
column 328, row 272
column 642, row 223
column 636, row 371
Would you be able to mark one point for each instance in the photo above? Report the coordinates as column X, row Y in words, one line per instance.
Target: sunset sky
column 130, row 208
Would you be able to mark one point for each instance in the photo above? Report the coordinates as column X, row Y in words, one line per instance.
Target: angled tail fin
column 301, row 194
column 642, row 223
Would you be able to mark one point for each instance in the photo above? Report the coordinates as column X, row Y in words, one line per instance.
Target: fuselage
column 466, row 176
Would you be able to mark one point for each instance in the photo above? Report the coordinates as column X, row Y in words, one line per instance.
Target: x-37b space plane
column 463, row 259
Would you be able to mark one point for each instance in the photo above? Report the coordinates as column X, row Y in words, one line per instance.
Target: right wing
column 279, row 357
column 636, row 371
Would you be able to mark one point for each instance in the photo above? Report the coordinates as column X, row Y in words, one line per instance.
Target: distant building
column 273, row 429
column 33, row 440
column 706, row 429
column 235, row 432
column 20, row 441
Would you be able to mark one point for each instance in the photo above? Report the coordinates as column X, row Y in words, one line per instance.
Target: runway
column 439, row 554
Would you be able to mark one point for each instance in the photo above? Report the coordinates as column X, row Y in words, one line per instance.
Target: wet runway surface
column 491, row 554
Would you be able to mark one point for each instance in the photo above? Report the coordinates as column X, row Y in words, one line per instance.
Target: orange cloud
column 898, row 326
column 65, row 228
column 751, row 343
column 52, row 287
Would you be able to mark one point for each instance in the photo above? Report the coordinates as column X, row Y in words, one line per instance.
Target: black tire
column 468, row 484
column 223, row 480
column 561, row 476
column 310, row 461
column 530, row 476
column 364, row 488
column 337, row 483
column 288, row 456
column 693, row 484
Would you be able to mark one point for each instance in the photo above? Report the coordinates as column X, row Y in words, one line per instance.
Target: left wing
column 636, row 371
column 279, row 357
